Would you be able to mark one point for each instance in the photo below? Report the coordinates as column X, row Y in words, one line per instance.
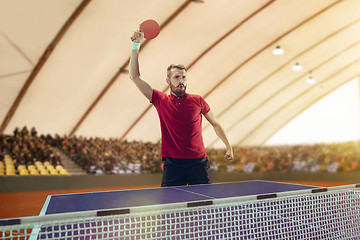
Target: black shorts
column 180, row 172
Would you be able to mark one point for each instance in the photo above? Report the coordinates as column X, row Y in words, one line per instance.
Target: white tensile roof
column 64, row 63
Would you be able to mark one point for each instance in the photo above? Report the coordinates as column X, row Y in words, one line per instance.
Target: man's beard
column 178, row 91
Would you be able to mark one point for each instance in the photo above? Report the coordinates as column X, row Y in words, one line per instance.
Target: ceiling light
column 297, row 67
column 310, row 80
column 278, row 50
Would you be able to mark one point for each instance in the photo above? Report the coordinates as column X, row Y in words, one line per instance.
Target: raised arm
column 221, row 134
column 134, row 70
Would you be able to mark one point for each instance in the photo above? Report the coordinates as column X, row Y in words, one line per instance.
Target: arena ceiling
column 64, row 63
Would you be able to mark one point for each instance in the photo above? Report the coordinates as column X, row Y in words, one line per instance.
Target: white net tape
column 325, row 215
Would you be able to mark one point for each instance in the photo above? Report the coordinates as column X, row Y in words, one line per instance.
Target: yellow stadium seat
column 10, row 173
column 40, row 167
column 59, row 167
column 53, row 172
column 46, row 163
column 10, row 168
column 63, row 172
column 9, row 164
column 44, row 172
column 31, row 167
column 38, row 163
column 34, row 172
column 50, row 168
column 23, row 172
column 21, row 167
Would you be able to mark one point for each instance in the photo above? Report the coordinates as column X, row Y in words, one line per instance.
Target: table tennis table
column 238, row 210
column 157, row 196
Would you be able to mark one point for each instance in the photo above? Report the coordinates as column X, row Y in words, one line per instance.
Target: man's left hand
column 229, row 155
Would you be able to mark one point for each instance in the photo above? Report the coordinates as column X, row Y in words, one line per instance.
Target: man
column 180, row 114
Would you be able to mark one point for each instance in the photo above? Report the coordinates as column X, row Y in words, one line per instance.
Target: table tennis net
column 331, row 213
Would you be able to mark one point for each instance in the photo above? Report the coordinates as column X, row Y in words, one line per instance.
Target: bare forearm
column 229, row 155
column 134, row 70
column 222, row 135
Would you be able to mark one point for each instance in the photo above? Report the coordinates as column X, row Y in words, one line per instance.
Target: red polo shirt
column 181, row 124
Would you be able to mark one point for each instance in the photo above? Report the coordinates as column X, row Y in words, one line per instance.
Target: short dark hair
column 177, row 66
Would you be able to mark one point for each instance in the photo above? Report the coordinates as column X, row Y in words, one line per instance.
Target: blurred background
column 281, row 76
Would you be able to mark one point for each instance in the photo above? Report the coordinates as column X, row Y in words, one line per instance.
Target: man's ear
column 168, row 80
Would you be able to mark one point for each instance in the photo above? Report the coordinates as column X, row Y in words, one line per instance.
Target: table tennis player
column 180, row 113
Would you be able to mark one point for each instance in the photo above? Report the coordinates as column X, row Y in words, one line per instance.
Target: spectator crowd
column 26, row 147
column 113, row 156
column 335, row 157
column 100, row 156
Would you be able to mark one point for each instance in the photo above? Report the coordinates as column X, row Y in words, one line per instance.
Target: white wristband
column 135, row 46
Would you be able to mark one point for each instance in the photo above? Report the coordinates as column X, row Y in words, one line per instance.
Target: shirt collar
column 172, row 96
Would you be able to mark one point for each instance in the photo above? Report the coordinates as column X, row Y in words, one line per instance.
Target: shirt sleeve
column 155, row 97
column 205, row 108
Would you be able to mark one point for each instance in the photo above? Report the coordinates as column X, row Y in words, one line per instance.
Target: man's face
column 177, row 82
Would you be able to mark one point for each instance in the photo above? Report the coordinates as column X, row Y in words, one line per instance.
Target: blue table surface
column 141, row 197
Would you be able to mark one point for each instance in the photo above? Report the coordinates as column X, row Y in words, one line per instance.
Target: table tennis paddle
column 150, row 28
